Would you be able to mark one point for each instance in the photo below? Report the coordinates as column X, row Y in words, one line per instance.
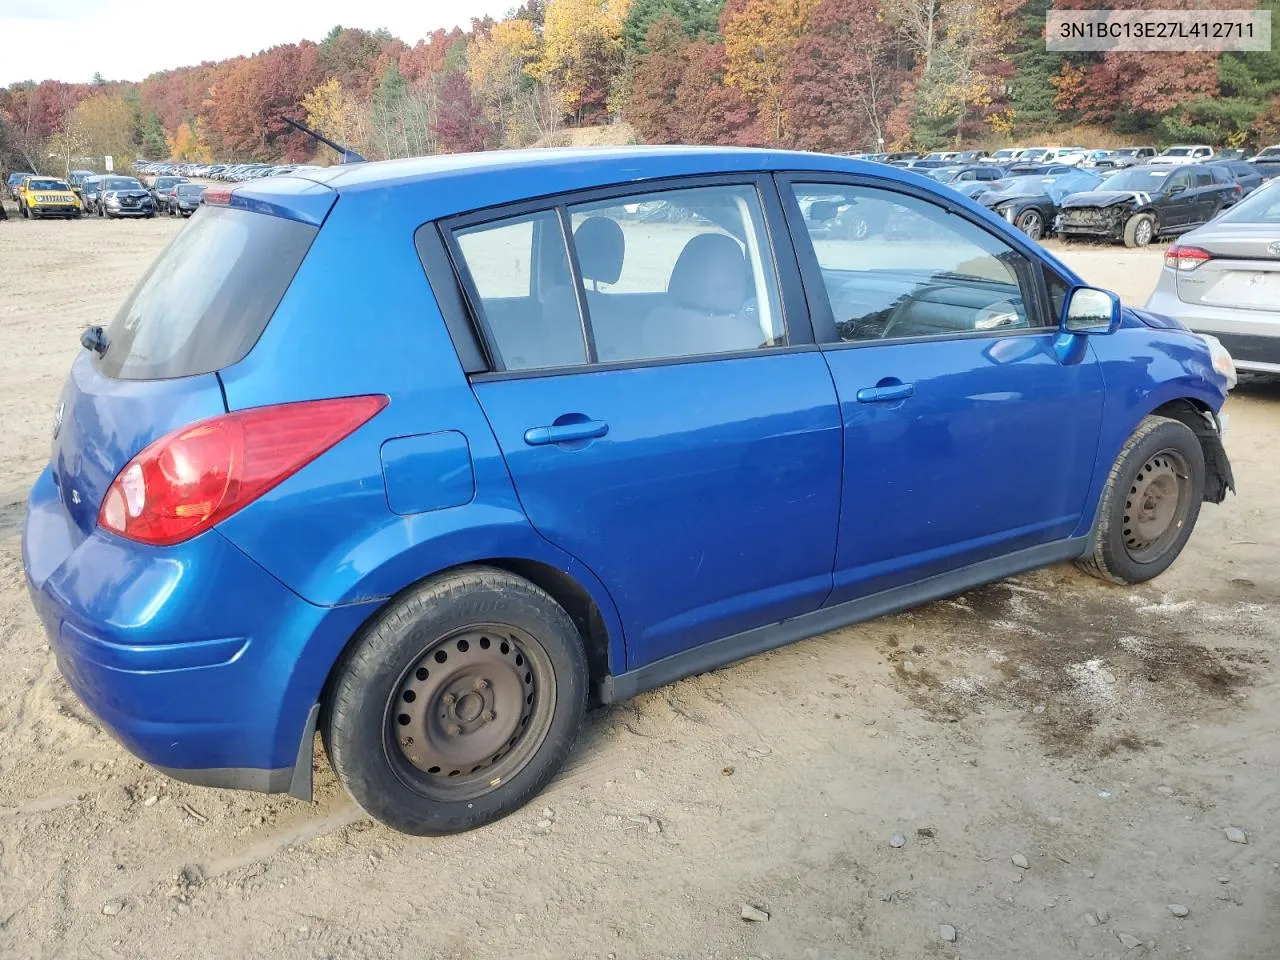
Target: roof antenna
column 348, row 155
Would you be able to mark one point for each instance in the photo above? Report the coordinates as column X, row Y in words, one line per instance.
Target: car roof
column 448, row 184
column 591, row 164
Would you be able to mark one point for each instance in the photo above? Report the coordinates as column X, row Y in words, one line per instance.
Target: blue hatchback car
column 422, row 454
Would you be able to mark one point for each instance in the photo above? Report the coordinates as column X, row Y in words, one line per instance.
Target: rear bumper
column 195, row 658
column 1252, row 337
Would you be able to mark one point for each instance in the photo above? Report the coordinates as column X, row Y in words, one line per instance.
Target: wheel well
column 1200, row 418
column 575, row 599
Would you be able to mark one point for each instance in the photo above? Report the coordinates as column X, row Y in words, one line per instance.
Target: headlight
column 1221, row 359
column 1006, row 212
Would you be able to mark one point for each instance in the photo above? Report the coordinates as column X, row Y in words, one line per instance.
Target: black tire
column 1126, row 546
column 483, row 626
column 1140, row 230
column 1031, row 223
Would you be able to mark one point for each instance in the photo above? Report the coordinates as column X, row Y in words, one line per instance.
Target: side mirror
column 820, row 211
column 1091, row 311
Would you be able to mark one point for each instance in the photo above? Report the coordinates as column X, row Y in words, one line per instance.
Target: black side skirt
column 719, row 653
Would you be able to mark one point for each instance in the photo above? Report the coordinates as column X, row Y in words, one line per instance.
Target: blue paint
column 690, row 500
column 428, row 472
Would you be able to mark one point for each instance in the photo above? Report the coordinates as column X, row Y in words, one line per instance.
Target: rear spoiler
column 293, row 198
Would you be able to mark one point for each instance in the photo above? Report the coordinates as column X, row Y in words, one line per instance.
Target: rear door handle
column 897, row 391
column 565, row 432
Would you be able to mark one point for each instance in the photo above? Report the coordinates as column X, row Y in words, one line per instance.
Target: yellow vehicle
column 40, row 197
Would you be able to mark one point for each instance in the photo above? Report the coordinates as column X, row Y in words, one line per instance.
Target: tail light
column 1185, row 259
column 191, row 479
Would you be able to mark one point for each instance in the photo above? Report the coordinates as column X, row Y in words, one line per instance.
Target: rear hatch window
column 208, row 297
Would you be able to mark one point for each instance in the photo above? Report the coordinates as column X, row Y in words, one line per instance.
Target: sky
column 129, row 39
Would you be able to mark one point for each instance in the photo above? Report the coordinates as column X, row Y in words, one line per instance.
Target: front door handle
column 565, row 432
column 896, row 391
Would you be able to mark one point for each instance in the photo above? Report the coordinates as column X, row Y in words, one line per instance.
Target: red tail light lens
column 1185, row 258
column 197, row 476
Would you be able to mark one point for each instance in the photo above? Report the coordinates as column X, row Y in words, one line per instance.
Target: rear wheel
column 1140, row 230
column 458, row 703
column 1150, row 503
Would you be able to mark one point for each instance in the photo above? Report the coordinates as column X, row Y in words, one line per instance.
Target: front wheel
column 1150, row 503
column 1140, row 230
column 458, row 703
column 1032, row 224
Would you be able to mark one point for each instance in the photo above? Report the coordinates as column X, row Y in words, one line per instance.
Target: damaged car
column 1141, row 204
column 1031, row 203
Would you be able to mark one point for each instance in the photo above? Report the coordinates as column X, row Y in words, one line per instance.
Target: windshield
column 1143, row 180
column 46, row 185
column 1001, row 154
column 208, row 297
column 1177, row 152
column 1021, row 186
column 1034, row 154
column 945, row 174
column 1270, row 152
column 1078, row 181
column 190, row 189
column 1261, row 206
column 121, row 183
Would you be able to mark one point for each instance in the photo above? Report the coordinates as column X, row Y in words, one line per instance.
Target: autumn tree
column 656, row 76
column 498, row 65
column 839, row 79
column 582, row 53
column 459, row 125
column 709, row 110
column 104, row 126
column 332, row 112
column 758, row 37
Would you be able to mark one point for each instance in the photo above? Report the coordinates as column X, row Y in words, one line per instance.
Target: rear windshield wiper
column 94, row 339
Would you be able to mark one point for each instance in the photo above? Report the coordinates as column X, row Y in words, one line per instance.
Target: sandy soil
column 1106, row 735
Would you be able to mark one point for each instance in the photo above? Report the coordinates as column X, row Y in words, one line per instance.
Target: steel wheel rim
column 1156, row 506
column 469, row 712
column 1031, row 225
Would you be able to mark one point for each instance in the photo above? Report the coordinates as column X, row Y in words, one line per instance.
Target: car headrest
column 600, row 245
column 710, row 275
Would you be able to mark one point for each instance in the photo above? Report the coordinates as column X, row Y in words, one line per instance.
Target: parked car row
column 1266, row 161
column 1131, row 204
column 232, row 172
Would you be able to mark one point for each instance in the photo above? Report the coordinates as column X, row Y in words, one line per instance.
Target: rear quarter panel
column 360, row 318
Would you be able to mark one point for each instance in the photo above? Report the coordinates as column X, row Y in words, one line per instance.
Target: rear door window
column 208, row 297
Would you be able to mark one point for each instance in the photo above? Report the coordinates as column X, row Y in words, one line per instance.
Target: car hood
column 994, row 200
column 1105, row 198
column 1159, row 321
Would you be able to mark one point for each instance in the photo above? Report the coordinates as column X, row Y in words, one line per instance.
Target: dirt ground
column 1106, row 735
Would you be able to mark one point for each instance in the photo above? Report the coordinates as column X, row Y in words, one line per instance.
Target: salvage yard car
column 42, row 197
column 1224, row 279
column 591, row 420
column 1141, row 204
column 124, row 197
column 1031, row 203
